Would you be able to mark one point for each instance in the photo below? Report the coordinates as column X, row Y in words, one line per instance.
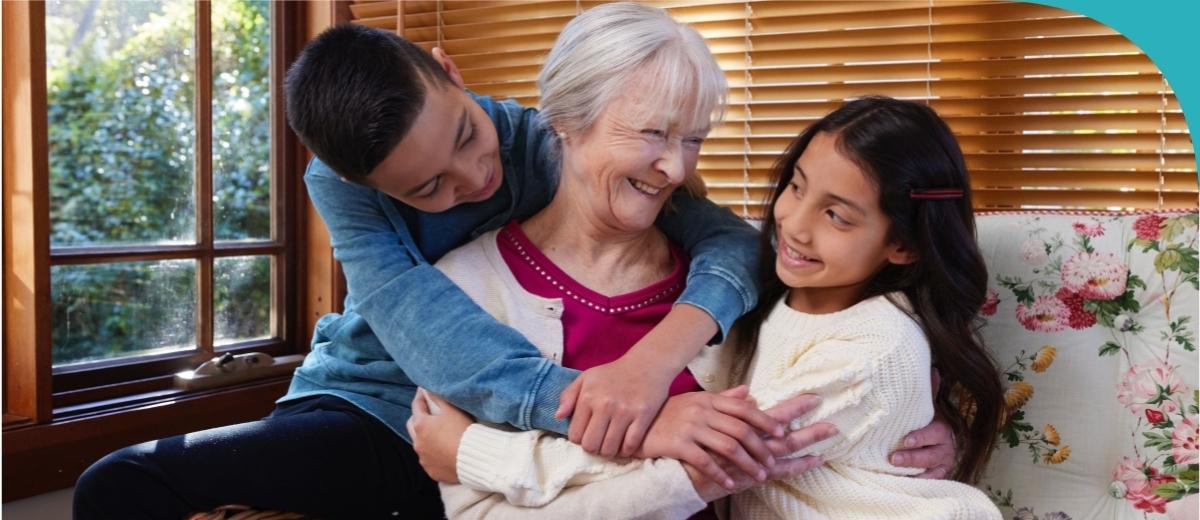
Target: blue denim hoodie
column 405, row 324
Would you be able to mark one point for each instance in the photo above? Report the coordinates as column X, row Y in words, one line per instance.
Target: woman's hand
column 436, row 428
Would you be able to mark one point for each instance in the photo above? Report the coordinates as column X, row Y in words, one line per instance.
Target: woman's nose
column 670, row 163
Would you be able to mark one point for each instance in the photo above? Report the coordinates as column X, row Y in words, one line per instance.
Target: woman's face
column 623, row 169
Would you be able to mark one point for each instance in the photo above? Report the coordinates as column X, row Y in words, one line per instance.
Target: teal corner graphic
column 1166, row 30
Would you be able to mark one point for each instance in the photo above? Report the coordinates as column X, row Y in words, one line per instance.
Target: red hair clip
column 936, row 193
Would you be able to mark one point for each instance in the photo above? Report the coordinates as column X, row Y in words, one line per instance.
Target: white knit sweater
column 870, row 364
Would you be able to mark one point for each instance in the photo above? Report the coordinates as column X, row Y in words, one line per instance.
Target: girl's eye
column 433, row 187
column 837, row 219
column 795, row 188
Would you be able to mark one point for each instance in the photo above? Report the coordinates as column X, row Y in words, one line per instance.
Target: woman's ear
column 448, row 65
column 900, row 255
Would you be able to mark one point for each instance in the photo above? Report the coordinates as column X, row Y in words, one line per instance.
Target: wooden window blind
column 1052, row 109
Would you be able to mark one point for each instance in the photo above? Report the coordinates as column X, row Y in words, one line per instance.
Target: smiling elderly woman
column 631, row 95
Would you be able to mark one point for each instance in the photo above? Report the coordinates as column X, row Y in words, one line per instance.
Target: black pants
column 321, row 456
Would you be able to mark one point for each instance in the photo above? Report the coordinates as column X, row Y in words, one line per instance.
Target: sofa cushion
column 1093, row 318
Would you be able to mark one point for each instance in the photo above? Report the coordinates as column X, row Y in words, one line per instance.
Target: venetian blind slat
column 1052, row 109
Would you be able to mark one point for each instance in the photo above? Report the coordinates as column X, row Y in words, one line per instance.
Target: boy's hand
column 930, row 448
column 613, row 405
column 436, row 428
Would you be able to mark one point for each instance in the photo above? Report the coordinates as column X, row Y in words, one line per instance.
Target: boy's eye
column 470, row 137
column 431, row 188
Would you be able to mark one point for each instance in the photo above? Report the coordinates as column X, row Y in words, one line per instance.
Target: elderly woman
column 631, row 95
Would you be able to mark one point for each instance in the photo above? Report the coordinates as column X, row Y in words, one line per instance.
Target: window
column 152, row 219
column 1052, row 109
column 165, row 244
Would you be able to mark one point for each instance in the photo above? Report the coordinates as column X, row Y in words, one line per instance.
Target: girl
column 870, row 274
column 870, row 271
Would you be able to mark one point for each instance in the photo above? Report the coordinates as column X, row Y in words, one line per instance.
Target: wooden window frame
column 56, row 423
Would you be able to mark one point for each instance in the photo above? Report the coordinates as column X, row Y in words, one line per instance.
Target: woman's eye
column 654, row 132
column 695, row 141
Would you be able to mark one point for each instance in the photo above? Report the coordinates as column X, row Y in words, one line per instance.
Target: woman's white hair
column 605, row 50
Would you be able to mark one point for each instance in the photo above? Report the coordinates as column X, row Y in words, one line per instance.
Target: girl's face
column 830, row 230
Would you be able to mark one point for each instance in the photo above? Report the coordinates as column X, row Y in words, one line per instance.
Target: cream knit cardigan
column 870, row 363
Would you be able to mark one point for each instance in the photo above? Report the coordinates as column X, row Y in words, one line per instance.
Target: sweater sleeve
column 426, row 323
column 841, row 373
column 533, row 474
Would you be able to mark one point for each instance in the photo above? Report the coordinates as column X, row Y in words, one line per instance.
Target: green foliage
column 1011, row 431
column 1108, row 310
column 1109, row 348
column 1157, row 441
column 1022, row 290
column 1180, row 333
column 120, row 113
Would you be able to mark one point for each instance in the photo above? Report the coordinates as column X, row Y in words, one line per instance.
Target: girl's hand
column 436, row 428
column 710, row 491
column 612, row 406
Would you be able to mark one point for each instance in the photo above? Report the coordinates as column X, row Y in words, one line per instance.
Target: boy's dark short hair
column 353, row 94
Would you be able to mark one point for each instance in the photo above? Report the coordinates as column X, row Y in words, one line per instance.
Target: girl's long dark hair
column 904, row 146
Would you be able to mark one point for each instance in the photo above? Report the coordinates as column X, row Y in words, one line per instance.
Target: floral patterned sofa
column 1093, row 318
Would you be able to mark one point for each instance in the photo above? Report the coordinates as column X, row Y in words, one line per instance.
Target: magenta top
column 620, row 320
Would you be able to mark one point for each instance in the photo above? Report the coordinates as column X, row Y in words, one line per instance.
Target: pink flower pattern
column 1139, row 482
column 1072, row 280
column 1092, row 229
column 1095, row 276
column 1145, row 386
column 990, row 303
column 1184, row 447
column 1148, row 227
column 1047, row 314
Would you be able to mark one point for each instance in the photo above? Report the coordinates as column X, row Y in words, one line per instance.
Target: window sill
column 44, row 457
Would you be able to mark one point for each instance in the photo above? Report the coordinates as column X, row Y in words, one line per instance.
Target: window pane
column 242, row 298
column 119, row 99
column 122, row 309
column 241, row 31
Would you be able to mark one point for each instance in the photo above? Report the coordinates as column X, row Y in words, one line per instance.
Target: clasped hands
column 724, row 441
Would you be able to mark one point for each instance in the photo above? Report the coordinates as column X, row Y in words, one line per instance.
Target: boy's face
column 450, row 156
